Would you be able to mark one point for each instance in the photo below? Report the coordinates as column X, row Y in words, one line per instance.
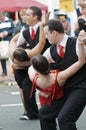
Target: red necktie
column 32, row 34
column 61, row 52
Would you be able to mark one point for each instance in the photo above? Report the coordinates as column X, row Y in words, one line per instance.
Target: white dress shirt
column 47, row 53
column 21, row 39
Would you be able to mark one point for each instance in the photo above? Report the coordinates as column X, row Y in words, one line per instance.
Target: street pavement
column 11, row 107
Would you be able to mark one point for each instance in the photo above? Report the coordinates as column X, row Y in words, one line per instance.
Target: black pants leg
column 72, row 109
column 49, row 113
column 30, row 102
column 22, row 79
column 68, row 110
column 3, row 64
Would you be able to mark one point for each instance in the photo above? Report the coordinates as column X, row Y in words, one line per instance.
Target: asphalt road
column 11, row 109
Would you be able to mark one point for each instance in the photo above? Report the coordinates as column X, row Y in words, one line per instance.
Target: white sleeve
column 48, row 56
column 31, row 72
column 10, row 61
column 77, row 47
column 21, row 39
column 77, row 51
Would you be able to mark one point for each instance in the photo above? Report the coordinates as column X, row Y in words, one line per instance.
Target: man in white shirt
column 6, row 32
column 69, row 108
column 33, row 18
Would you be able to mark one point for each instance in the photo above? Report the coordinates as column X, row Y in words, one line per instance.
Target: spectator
column 62, row 15
column 81, row 24
column 21, row 24
column 6, row 32
column 70, row 107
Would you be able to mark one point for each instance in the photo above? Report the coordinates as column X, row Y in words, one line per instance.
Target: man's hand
column 45, row 18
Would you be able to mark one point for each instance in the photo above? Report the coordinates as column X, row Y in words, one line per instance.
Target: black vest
column 69, row 58
column 32, row 43
column 29, row 41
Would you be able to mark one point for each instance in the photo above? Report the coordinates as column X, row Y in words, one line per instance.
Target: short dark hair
column 36, row 11
column 20, row 55
column 41, row 64
column 56, row 25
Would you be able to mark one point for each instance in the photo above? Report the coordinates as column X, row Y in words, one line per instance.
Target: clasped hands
column 3, row 34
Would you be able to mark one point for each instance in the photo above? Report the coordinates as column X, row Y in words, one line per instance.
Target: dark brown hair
column 56, row 25
column 36, row 11
column 41, row 64
column 21, row 55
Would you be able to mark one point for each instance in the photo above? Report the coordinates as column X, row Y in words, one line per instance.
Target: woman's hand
column 43, row 94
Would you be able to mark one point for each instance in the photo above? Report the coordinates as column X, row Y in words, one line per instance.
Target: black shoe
column 24, row 117
column 34, row 118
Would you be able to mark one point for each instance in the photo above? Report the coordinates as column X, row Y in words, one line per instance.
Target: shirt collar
column 35, row 27
column 64, row 41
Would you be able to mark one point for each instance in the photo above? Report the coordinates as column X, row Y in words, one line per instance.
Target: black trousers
column 67, row 110
column 30, row 101
column 22, row 79
column 4, row 67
